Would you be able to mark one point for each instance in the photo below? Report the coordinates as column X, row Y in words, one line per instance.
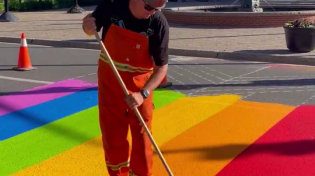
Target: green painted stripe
column 34, row 146
column 163, row 97
column 42, row 143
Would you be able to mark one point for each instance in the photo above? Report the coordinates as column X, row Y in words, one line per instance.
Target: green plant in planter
column 300, row 35
column 300, row 23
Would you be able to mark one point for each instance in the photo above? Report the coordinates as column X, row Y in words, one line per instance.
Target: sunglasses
column 148, row 7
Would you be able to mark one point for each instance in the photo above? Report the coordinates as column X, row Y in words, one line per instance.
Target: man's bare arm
column 156, row 78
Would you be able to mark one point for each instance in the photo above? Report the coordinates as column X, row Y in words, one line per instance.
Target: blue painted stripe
column 21, row 121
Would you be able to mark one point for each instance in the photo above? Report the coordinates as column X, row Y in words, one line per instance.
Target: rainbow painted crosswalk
column 53, row 130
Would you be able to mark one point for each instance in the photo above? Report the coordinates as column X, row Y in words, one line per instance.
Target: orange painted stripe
column 206, row 148
column 293, row 67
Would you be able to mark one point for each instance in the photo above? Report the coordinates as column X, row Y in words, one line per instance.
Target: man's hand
column 134, row 100
column 89, row 24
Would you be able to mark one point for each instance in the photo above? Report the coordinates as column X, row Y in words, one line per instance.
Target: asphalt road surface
column 254, row 81
column 53, row 130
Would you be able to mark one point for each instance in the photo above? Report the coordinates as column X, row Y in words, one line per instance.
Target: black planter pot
column 300, row 40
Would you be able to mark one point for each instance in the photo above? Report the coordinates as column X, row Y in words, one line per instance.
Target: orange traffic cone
column 24, row 61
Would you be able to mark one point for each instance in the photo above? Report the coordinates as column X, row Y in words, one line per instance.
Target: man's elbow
column 161, row 69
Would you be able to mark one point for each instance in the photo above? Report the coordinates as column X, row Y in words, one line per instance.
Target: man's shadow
column 290, row 148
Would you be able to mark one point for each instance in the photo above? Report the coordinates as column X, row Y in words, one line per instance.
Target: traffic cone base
column 164, row 85
column 24, row 61
column 24, row 69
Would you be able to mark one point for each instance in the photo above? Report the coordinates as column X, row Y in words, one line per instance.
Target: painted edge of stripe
column 41, row 94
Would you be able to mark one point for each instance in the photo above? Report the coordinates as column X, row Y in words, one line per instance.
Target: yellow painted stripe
column 169, row 122
column 205, row 149
column 181, row 115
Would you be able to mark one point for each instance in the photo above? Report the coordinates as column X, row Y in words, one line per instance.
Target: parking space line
column 25, row 80
column 254, row 92
column 30, row 45
column 256, row 89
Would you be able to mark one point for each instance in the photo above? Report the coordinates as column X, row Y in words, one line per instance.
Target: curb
column 240, row 56
column 271, row 58
column 53, row 43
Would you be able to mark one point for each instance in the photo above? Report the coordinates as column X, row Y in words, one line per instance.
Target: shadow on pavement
column 6, row 69
column 226, row 36
column 20, row 31
column 83, row 40
column 293, row 82
column 49, row 91
column 233, row 63
column 272, row 51
column 64, row 20
column 291, row 148
column 9, row 67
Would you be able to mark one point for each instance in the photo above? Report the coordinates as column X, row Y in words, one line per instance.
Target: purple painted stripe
column 38, row 95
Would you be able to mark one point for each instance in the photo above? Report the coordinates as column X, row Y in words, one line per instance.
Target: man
column 136, row 35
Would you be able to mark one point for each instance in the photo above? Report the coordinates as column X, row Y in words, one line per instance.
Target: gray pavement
column 255, row 81
column 255, row 44
column 194, row 76
column 53, row 64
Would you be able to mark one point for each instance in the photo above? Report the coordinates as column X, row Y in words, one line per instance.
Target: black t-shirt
column 156, row 27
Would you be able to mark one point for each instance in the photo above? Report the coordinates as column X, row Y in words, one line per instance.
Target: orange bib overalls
column 130, row 53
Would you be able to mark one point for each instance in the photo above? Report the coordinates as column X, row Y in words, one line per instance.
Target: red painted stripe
column 280, row 66
column 287, row 149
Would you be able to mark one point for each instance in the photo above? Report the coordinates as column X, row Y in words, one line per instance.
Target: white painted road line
column 25, row 80
column 46, row 46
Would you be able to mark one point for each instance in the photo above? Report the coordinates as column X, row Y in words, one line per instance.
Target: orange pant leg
column 114, row 127
column 141, row 160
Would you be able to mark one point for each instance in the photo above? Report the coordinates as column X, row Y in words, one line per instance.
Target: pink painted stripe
column 37, row 95
column 287, row 149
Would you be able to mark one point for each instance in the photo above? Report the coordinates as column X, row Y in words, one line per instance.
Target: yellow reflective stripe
column 120, row 68
column 131, row 173
column 125, row 67
column 102, row 55
column 118, row 166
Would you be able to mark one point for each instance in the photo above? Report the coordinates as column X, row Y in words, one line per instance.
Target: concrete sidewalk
column 57, row 28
